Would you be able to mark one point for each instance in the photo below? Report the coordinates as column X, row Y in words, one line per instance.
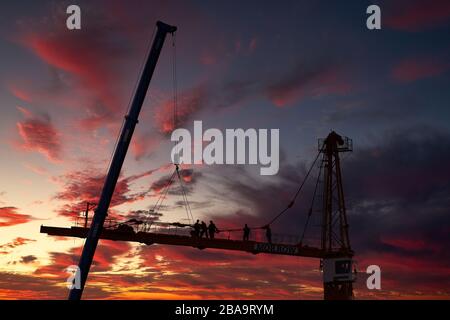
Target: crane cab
column 338, row 270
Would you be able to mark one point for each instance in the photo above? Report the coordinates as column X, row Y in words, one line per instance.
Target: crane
column 131, row 119
column 334, row 252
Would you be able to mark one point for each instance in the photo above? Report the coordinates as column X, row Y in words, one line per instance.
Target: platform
column 149, row 238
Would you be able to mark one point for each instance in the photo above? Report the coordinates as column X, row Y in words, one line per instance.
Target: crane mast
column 338, row 277
column 131, row 119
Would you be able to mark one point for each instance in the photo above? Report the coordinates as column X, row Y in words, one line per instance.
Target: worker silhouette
column 268, row 234
column 212, row 230
column 204, row 230
column 197, row 228
column 246, row 232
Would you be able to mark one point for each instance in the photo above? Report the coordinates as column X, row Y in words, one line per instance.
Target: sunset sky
column 304, row 67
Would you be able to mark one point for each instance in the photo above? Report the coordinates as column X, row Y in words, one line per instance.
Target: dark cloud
column 260, row 201
column 308, row 80
column 397, row 196
column 399, row 190
column 188, row 177
column 17, row 242
column 28, row 259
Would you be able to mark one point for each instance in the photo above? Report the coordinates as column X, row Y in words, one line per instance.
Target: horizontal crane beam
column 149, row 238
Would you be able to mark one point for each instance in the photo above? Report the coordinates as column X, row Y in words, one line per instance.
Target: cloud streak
column 17, row 242
column 308, row 81
column 10, row 217
column 417, row 15
column 38, row 134
column 413, row 69
column 81, row 186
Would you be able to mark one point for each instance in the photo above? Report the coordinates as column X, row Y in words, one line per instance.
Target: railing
column 255, row 235
column 81, row 222
column 345, row 147
column 258, row 235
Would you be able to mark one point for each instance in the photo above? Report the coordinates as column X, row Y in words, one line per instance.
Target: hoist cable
column 161, row 197
column 164, row 196
column 183, row 192
column 312, row 205
column 175, row 96
column 174, row 82
column 297, row 193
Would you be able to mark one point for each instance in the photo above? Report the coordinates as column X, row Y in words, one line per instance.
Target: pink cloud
column 81, row 56
column 142, row 145
column 20, row 93
column 413, row 69
column 36, row 169
column 189, row 102
column 406, row 244
column 79, row 187
column 39, row 135
column 105, row 256
column 418, row 15
column 10, row 217
column 91, row 59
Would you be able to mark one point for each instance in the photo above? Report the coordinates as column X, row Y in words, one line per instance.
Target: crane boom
column 131, row 119
column 200, row 243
